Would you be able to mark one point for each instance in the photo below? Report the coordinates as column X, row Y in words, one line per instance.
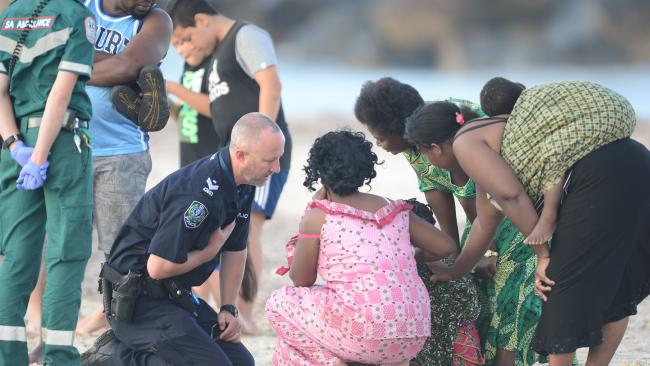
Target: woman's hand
column 436, row 266
column 442, row 275
column 542, row 283
column 486, row 267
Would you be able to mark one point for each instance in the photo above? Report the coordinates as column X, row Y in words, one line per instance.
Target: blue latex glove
column 32, row 176
column 21, row 153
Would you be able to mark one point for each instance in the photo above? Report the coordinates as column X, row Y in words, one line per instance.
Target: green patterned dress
column 510, row 309
column 453, row 303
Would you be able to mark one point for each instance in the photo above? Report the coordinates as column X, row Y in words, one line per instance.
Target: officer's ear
column 240, row 156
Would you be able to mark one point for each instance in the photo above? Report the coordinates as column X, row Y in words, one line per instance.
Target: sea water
column 317, row 89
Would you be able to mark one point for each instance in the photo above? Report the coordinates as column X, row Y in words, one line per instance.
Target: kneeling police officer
column 173, row 240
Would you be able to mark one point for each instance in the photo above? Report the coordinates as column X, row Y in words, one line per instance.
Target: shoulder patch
column 91, row 28
column 211, row 186
column 195, row 214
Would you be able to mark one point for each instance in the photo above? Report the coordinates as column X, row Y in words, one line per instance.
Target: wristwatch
column 232, row 309
column 11, row 139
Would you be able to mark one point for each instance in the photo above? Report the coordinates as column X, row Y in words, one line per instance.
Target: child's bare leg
column 255, row 253
column 94, row 322
column 202, row 291
column 35, row 304
column 547, row 222
column 209, row 290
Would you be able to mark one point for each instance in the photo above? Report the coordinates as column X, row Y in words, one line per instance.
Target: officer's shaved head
column 249, row 128
column 256, row 146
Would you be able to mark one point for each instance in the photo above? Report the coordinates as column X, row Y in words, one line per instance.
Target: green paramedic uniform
column 61, row 39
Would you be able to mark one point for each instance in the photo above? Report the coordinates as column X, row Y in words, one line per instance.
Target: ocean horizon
column 331, row 89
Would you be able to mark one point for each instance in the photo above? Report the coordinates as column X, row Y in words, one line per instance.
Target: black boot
column 127, row 100
column 101, row 352
column 154, row 110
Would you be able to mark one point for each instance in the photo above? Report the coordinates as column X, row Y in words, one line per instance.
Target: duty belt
column 69, row 123
column 121, row 292
column 149, row 287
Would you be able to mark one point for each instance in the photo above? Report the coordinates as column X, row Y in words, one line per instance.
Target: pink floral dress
column 373, row 307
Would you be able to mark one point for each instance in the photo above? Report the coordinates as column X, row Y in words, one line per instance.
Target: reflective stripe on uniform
column 9, row 333
column 42, row 46
column 75, row 67
column 58, row 337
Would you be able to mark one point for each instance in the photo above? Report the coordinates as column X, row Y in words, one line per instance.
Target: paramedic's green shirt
column 64, row 32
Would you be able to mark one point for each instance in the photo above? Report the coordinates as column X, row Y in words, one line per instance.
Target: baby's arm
column 547, row 222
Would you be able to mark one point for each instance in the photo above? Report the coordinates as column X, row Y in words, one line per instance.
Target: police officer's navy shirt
column 181, row 213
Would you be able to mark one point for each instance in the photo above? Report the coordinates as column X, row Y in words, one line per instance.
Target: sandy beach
column 394, row 179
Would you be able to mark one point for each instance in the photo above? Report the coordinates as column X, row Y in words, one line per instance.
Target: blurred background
column 327, row 49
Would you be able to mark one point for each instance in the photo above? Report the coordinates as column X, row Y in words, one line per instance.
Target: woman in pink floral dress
column 373, row 307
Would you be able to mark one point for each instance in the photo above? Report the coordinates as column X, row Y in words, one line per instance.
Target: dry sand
column 394, row 179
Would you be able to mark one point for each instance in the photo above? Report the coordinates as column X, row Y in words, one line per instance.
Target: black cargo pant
column 162, row 333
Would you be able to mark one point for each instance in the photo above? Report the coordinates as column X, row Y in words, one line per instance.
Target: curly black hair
column 343, row 161
column 383, row 105
column 499, row 96
column 421, row 210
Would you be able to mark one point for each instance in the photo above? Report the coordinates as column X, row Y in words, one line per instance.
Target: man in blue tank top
column 130, row 34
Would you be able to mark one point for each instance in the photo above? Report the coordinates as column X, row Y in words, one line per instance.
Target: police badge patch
column 195, row 214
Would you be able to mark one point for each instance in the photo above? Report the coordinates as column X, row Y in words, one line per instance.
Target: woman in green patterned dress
column 383, row 107
column 511, row 310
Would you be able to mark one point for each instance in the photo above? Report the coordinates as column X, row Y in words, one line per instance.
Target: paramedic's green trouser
column 63, row 210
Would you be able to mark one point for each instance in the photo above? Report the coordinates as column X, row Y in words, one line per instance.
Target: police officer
column 243, row 77
column 46, row 56
column 174, row 238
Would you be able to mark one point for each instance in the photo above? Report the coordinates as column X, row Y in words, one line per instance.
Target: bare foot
column 36, row 355
column 248, row 327
column 93, row 323
column 542, row 232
